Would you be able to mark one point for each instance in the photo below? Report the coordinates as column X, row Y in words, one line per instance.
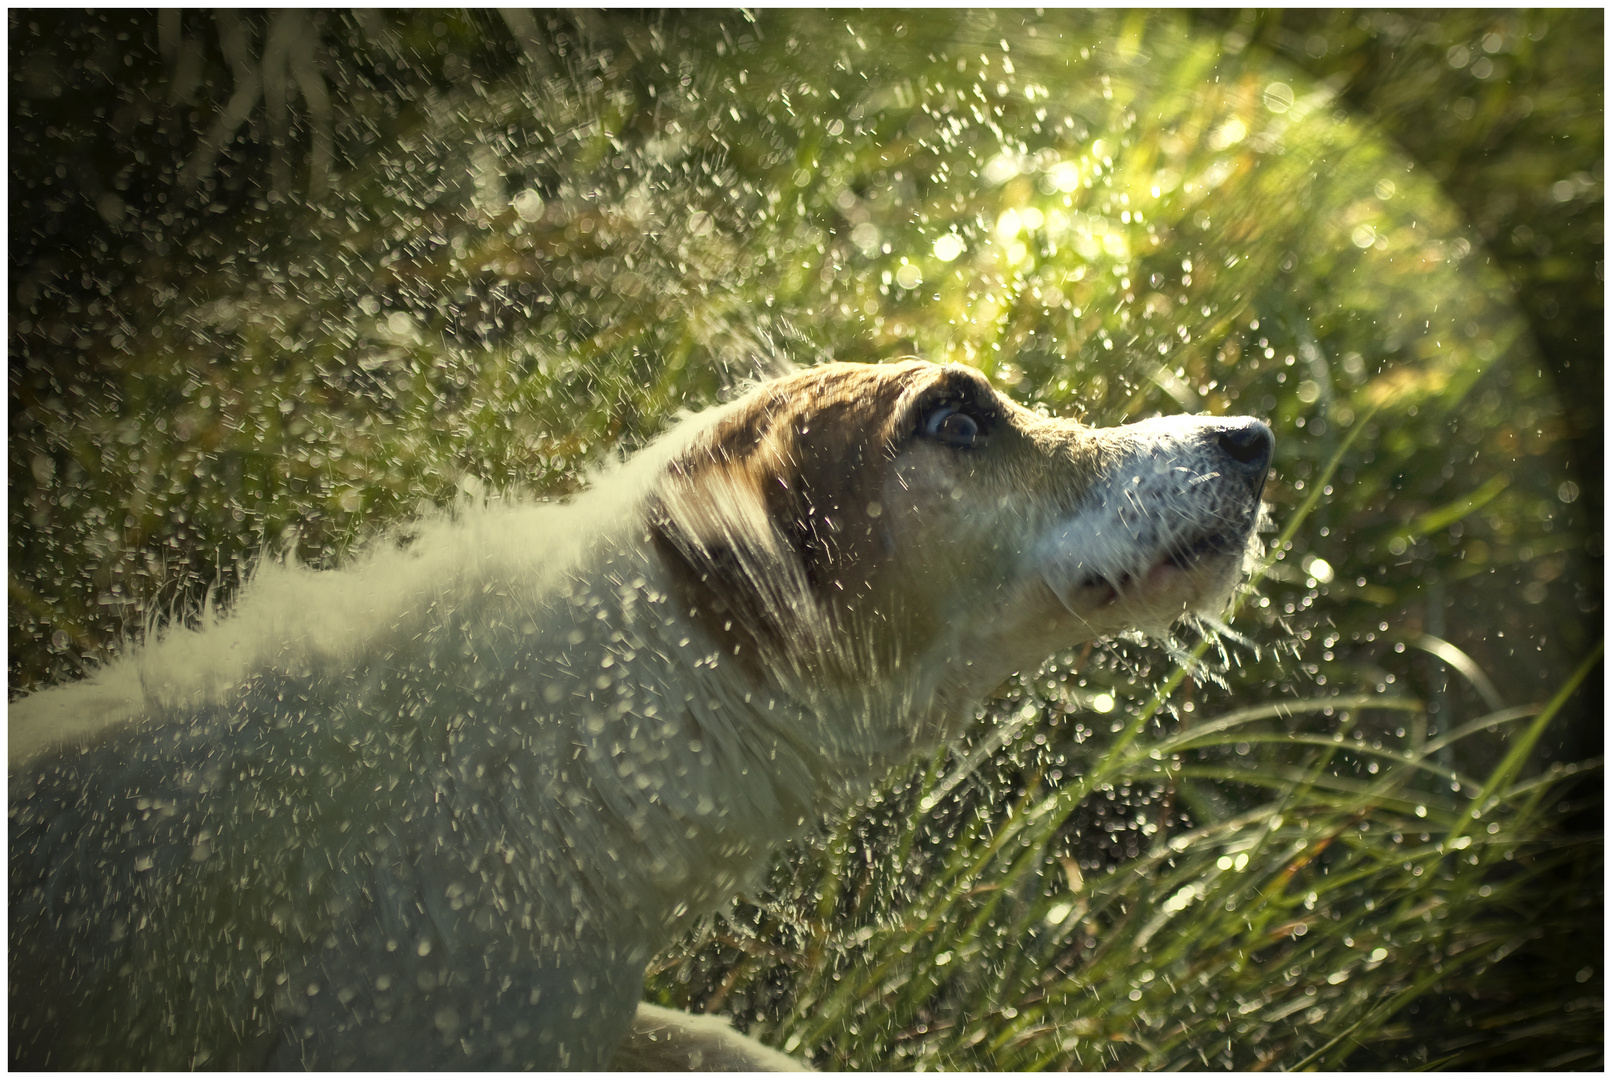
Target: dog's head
column 848, row 520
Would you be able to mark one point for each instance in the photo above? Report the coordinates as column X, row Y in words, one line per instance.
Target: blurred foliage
column 279, row 280
column 1505, row 108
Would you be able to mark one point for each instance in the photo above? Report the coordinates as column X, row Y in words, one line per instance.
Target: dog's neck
column 706, row 763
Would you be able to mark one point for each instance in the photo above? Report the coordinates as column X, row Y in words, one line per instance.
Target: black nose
column 1249, row 443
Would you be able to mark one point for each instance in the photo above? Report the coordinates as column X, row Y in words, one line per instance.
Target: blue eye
column 949, row 424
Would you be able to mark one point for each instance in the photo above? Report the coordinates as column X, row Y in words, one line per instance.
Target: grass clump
column 1325, row 922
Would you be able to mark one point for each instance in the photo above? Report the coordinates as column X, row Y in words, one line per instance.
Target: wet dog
column 438, row 809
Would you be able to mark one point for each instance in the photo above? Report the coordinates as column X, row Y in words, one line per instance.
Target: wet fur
column 440, row 808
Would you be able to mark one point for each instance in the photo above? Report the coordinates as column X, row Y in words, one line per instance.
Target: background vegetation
column 280, row 280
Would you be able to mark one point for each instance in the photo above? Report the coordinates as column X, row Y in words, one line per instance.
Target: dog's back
column 336, row 826
column 297, row 818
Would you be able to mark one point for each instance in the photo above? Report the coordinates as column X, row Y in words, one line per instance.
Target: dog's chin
column 1154, row 598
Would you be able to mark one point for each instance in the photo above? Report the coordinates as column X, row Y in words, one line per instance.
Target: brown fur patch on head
column 770, row 521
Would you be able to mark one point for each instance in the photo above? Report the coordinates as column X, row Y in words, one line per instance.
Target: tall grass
column 1298, row 931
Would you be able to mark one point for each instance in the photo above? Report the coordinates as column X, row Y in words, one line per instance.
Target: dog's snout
column 1249, row 443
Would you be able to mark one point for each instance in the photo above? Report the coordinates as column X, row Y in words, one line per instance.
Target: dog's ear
column 770, row 523
column 824, row 491
column 734, row 570
column 735, row 566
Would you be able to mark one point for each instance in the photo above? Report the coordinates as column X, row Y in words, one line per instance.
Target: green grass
column 1295, row 933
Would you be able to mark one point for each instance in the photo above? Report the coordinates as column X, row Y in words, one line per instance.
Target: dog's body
column 440, row 808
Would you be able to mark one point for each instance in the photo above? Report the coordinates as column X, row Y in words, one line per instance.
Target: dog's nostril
column 1249, row 445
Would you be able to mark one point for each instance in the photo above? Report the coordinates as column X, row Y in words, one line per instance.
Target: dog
column 438, row 809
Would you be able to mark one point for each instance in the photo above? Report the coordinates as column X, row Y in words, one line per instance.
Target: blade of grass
column 1523, row 746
